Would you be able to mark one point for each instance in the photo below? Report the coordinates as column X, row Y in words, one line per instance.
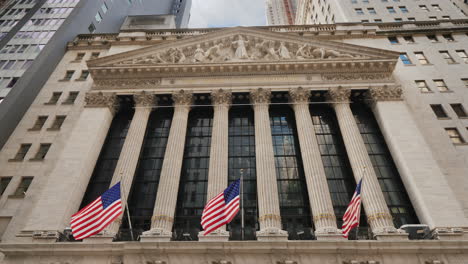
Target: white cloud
column 227, row 13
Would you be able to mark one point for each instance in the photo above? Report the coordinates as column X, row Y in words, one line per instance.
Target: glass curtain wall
column 242, row 156
column 194, row 177
column 110, row 152
column 341, row 182
column 145, row 183
column 394, row 191
column 294, row 200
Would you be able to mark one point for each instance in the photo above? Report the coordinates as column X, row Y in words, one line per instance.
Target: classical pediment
column 244, row 49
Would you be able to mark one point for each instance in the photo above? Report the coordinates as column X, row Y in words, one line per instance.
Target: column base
column 272, row 234
column 329, row 234
column 156, row 235
column 215, row 236
column 390, row 234
column 100, row 238
column 456, row 233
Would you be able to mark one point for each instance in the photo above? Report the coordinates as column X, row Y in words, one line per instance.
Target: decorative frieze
column 144, row 99
column 356, row 76
column 106, row 84
column 385, row 93
column 100, row 99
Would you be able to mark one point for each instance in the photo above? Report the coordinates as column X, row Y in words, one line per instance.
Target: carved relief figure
column 336, row 54
column 304, row 52
column 241, row 50
column 214, row 53
column 319, row 53
column 283, row 51
column 199, row 55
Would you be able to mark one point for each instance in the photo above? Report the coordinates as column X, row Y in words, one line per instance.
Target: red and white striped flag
column 96, row 216
column 221, row 209
column 353, row 213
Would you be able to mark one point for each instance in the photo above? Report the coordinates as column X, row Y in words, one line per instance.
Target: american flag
column 96, row 216
column 353, row 213
column 222, row 208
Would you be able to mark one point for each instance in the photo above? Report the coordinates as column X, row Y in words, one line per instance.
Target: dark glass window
column 4, row 181
column 145, row 184
column 110, row 152
column 42, row 152
column 54, row 98
column 71, row 98
column 194, row 177
column 23, row 186
column 242, row 156
column 459, row 110
column 40, row 121
column 341, row 182
column 439, row 111
column 384, row 167
column 23, row 150
column 292, row 188
column 58, row 122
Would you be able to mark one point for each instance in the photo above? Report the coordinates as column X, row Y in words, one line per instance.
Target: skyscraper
column 281, row 12
column 32, row 32
column 337, row 11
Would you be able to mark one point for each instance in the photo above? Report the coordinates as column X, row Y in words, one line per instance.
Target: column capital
column 100, row 99
column 221, row 97
column 339, row 95
column 299, row 95
column 144, row 99
column 385, row 93
column 182, row 98
column 260, row 96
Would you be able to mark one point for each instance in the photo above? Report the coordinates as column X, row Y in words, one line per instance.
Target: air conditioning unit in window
column 417, row 232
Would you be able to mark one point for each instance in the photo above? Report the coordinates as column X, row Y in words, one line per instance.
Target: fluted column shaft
column 267, row 187
column 317, row 185
column 379, row 217
column 166, row 198
column 130, row 154
column 218, row 167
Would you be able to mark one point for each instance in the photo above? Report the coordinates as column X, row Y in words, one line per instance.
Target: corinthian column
column 267, row 187
column 76, row 162
column 378, row 215
column 218, row 168
column 129, row 156
column 166, row 198
column 317, row 185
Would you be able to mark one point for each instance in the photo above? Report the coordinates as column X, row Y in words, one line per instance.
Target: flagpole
column 242, row 202
column 126, row 205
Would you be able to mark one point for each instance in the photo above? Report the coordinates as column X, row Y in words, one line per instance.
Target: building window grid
column 71, row 98
column 23, row 150
column 422, row 86
column 194, row 176
column 441, row 85
column 454, row 135
column 144, row 190
column 108, row 158
column 42, row 151
column 54, row 98
column 58, row 122
column 40, row 121
column 23, row 186
column 390, row 182
column 447, row 57
column 292, row 187
column 421, row 58
column 242, row 156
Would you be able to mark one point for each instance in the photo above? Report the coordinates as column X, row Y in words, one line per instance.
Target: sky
column 227, row 13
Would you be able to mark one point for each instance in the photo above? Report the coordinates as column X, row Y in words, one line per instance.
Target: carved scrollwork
column 100, row 99
column 260, row 96
column 182, row 97
column 386, row 93
column 299, row 95
column 221, row 97
column 338, row 94
column 144, row 99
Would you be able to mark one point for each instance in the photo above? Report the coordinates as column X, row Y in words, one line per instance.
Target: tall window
column 441, row 85
column 42, row 151
column 405, row 59
column 23, row 186
column 40, row 121
column 110, row 152
column 194, row 177
column 422, row 85
column 390, row 182
column 292, row 187
column 421, row 58
column 242, row 156
column 4, row 181
column 145, row 184
column 447, row 57
column 23, row 150
column 459, row 110
column 463, row 55
column 454, row 135
column 439, row 111
column 341, row 182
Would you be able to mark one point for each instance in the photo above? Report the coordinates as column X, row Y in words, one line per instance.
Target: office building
column 34, row 32
column 375, row 11
column 302, row 112
column 281, row 12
